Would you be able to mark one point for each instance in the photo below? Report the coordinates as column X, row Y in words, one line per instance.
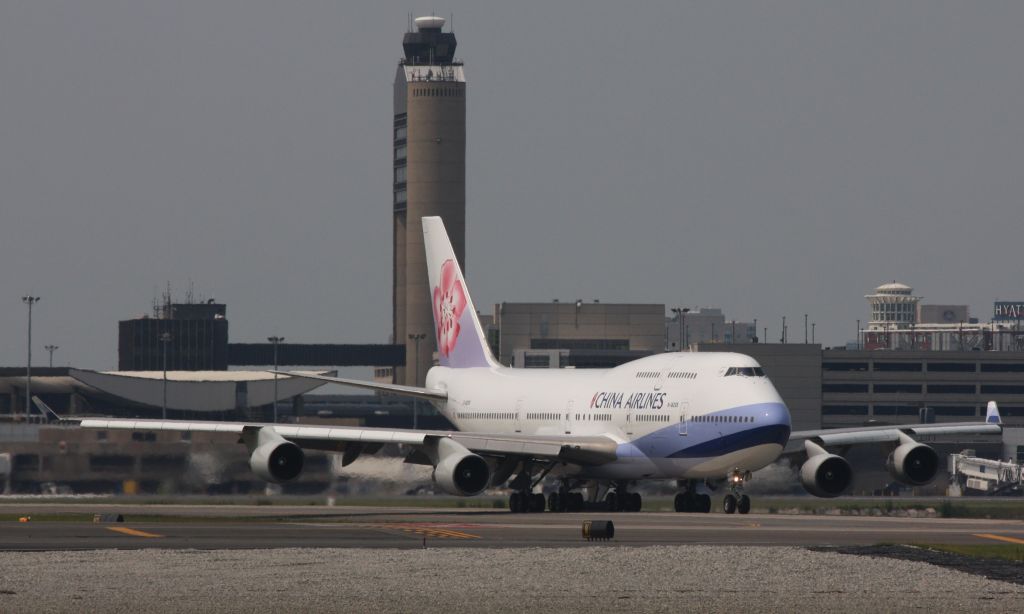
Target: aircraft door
column 684, row 416
column 567, row 421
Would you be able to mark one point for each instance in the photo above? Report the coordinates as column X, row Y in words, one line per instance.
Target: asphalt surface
column 252, row 527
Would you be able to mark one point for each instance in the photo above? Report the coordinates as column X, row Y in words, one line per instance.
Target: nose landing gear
column 736, row 501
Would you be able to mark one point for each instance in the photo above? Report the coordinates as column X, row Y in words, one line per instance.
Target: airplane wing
column 892, row 433
column 408, row 391
column 882, row 434
column 356, row 440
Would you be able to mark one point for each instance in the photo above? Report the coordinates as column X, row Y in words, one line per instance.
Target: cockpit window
column 745, row 371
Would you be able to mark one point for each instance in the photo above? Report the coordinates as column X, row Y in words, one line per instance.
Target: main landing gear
column 565, row 501
column 736, row 501
column 621, row 500
column 690, row 501
column 525, row 502
column 616, row 498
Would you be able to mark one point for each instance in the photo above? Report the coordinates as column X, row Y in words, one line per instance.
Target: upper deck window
column 747, row 371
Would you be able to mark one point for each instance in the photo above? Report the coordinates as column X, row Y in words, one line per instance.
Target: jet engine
column 913, row 463
column 275, row 459
column 824, row 474
column 457, row 471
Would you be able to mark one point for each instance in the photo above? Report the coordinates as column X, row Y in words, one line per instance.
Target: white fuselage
column 679, row 415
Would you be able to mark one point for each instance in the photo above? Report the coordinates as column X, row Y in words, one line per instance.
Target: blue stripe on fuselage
column 733, row 442
column 771, row 425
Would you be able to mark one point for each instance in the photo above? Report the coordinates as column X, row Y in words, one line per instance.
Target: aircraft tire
column 576, row 502
column 679, row 503
column 513, row 503
column 537, row 503
column 554, row 502
column 612, row 501
column 729, row 504
column 705, row 503
column 743, row 504
column 635, row 502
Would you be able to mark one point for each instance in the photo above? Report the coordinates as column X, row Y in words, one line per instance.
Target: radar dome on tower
column 429, row 23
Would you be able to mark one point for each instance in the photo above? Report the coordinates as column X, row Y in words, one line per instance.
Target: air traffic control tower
column 429, row 179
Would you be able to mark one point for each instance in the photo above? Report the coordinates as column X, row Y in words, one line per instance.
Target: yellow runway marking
column 1012, row 540
column 133, row 532
column 427, row 531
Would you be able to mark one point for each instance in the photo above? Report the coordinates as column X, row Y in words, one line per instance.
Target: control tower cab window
column 745, row 371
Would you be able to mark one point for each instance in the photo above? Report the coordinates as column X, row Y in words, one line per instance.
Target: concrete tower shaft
column 429, row 179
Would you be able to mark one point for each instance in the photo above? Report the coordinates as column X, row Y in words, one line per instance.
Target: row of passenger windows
column 643, row 418
column 723, row 419
column 670, row 375
column 682, row 375
column 487, row 415
column 747, row 371
column 435, row 92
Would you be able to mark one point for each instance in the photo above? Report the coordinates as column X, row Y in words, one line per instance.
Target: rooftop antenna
column 167, row 302
column 451, row 22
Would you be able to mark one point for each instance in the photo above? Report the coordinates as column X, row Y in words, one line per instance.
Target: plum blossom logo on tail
column 449, row 303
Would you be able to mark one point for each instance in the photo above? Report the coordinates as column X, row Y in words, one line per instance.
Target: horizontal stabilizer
column 408, row 391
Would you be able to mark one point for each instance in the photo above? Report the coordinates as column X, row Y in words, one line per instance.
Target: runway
column 247, row 527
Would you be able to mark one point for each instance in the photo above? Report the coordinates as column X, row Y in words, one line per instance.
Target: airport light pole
column 165, row 339
column 275, row 340
column 51, row 349
column 805, row 328
column 30, row 301
column 858, row 334
column 416, row 338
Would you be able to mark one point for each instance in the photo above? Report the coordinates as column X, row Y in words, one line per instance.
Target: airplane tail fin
column 992, row 414
column 461, row 342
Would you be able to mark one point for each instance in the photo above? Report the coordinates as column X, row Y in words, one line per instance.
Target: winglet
column 992, row 414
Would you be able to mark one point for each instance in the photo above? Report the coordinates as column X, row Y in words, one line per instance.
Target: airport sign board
column 1008, row 310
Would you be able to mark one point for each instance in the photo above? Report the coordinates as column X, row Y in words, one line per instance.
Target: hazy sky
column 771, row 158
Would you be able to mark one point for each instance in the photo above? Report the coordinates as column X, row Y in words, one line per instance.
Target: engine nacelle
column 276, row 459
column 824, row 474
column 913, row 463
column 457, row 471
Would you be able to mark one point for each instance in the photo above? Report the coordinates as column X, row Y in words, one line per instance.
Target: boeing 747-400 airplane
column 705, row 420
